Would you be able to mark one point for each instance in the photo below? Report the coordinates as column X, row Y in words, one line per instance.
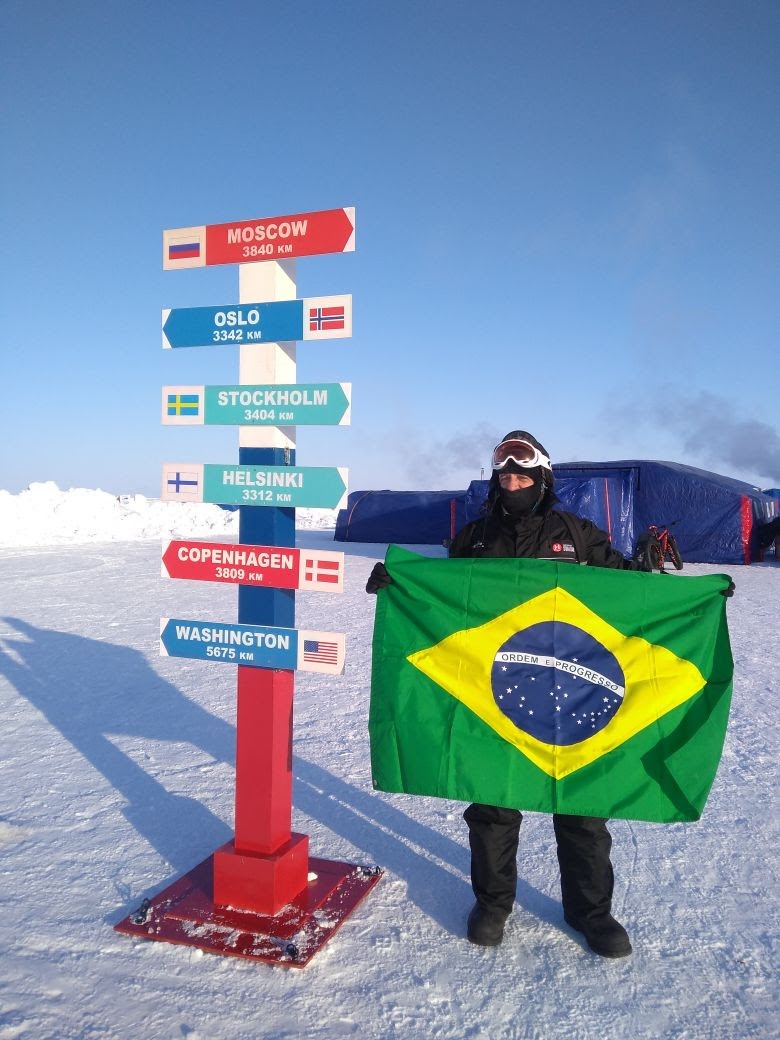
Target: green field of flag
column 550, row 687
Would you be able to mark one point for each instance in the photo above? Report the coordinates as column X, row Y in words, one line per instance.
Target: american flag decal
column 325, row 318
column 319, row 651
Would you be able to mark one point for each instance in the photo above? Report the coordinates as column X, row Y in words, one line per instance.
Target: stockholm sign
column 314, row 487
column 272, row 404
column 270, row 566
column 255, row 646
column 316, row 317
column 268, row 238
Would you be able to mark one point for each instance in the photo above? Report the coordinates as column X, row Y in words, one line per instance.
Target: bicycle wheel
column 651, row 549
column 674, row 552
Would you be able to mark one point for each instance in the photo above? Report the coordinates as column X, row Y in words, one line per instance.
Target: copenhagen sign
column 314, row 487
column 270, row 566
column 256, row 646
column 315, row 317
column 269, row 238
column 272, row 404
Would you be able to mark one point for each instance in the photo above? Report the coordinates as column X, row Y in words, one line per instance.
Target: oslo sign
column 271, row 566
column 268, row 238
column 314, row 487
column 257, row 646
column 316, row 317
column 272, row 404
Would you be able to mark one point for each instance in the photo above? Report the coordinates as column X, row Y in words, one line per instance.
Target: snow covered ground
column 116, row 777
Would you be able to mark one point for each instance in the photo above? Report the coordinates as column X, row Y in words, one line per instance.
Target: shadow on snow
column 91, row 690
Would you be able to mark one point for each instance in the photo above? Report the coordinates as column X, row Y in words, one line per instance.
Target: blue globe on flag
column 557, row 683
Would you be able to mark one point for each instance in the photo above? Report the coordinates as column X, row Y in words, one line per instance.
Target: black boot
column 485, row 927
column 605, row 936
column 587, row 881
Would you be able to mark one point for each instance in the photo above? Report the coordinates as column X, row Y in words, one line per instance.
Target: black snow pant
column 584, row 844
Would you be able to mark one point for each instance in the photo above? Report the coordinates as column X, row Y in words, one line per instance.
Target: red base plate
column 185, row 913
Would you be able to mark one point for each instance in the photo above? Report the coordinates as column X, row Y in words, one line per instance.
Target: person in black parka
column 520, row 521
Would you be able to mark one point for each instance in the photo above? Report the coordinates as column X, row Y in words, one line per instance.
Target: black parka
column 545, row 535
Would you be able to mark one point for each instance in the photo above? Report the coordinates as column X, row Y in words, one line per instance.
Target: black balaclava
column 523, row 501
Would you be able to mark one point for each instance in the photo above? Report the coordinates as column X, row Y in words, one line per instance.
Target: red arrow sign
column 270, row 238
column 272, row 566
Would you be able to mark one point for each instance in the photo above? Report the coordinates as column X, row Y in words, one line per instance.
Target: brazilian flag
column 549, row 686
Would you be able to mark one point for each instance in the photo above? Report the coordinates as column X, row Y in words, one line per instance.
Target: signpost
column 269, row 238
column 260, row 895
column 293, row 404
column 254, row 646
column 314, row 487
column 316, row 317
column 269, row 565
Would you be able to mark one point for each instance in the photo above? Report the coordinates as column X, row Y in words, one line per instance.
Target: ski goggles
column 520, row 452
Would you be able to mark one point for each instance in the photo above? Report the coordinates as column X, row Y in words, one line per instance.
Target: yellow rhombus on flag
column 546, row 686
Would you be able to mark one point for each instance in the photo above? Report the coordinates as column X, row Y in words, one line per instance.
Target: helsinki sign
column 272, row 404
column 269, row 238
column 272, row 566
column 316, row 317
column 314, row 487
column 257, row 646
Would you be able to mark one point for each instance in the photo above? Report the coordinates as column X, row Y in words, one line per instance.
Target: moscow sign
column 268, row 238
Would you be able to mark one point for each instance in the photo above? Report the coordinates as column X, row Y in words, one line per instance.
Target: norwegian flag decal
column 323, row 319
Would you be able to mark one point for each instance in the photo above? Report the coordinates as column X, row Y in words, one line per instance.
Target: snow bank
column 45, row 515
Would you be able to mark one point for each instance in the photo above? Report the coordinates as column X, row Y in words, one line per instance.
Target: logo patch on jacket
column 559, row 547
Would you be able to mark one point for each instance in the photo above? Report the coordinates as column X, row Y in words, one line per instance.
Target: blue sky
column 567, row 221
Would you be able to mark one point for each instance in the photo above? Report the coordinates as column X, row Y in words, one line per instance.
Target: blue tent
column 716, row 519
column 405, row 517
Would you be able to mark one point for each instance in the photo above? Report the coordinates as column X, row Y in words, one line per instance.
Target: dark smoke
column 711, row 432
column 451, row 461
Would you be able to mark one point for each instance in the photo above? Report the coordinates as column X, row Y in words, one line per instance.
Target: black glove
column 379, row 578
column 729, row 590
